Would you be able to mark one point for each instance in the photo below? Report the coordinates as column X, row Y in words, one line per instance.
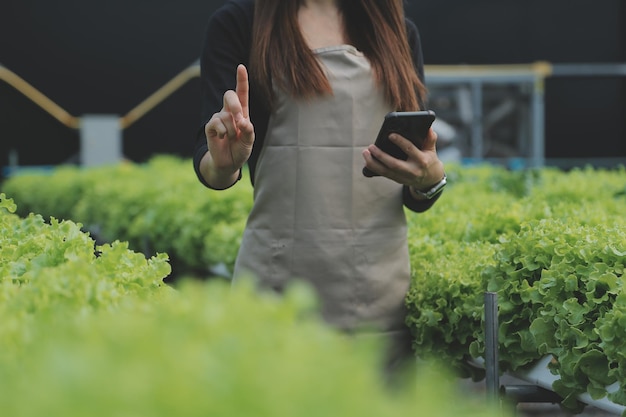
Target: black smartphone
column 413, row 125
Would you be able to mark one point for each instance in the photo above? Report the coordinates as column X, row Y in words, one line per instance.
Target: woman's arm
column 226, row 45
column 411, row 200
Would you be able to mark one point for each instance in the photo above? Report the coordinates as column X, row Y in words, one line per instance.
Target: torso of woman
column 315, row 216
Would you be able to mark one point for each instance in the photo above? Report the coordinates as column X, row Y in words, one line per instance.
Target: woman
column 323, row 74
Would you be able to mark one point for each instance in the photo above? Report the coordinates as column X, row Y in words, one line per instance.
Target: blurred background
column 523, row 82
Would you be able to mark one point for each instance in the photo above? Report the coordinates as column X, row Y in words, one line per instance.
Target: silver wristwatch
column 436, row 189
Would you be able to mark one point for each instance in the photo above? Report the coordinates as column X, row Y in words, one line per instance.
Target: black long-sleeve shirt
column 227, row 43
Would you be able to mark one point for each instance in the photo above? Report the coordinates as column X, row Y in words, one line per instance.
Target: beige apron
column 316, row 217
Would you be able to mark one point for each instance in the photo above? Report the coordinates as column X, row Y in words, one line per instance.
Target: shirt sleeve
column 226, row 44
column 418, row 60
column 417, row 206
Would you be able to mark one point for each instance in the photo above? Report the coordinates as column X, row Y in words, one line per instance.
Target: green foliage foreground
column 91, row 330
column 550, row 243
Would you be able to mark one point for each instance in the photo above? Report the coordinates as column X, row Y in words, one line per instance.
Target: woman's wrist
column 218, row 178
column 427, row 193
column 224, row 180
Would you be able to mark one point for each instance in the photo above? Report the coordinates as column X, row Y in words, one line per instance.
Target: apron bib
column 315, row 216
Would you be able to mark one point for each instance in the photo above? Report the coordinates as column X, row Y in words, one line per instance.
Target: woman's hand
column 230, row 135
column 422, row 169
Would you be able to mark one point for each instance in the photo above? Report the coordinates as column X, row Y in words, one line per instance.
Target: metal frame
column 477, row 77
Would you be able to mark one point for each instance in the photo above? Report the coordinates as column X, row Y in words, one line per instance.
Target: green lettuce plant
column 92, row 330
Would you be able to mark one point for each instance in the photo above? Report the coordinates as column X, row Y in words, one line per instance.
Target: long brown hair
column 375, row 27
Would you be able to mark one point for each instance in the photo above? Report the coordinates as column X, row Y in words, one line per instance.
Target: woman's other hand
column 422, row 169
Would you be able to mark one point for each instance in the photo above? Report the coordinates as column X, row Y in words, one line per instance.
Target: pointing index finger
column 243, row 89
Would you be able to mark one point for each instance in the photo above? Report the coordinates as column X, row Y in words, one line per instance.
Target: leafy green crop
column 556, row 281
column 206, row 350
column 43, row 266
column 91, row 330
column 157, row 207
column 557, row 266
column 549, row 242
column 445, row 303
